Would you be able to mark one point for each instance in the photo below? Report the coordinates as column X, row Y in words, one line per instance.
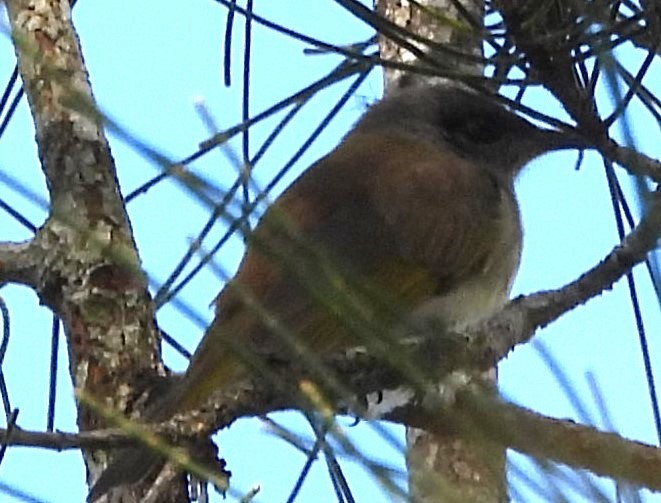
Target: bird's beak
column 561, row 140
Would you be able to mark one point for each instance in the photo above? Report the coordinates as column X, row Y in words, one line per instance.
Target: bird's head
column 474, row 126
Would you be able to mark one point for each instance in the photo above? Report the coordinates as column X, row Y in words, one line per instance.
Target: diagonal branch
column 634, row 162
column 544, row 438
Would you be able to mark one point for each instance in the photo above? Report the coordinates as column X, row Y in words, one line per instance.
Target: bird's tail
column 207, row 371
column 129, row 466
column 132, row 464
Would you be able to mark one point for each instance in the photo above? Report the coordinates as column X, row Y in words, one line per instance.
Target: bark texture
column 82, row 262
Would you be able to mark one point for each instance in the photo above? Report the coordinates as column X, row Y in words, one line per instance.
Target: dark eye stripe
column 475, row 129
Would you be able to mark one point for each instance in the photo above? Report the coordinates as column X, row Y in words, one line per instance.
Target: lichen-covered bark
column 439, row 24
column 89, row 271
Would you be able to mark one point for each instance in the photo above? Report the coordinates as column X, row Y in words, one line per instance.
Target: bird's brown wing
column 401, row 216
column 392, row 215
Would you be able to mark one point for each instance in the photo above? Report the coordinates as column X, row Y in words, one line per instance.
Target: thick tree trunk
column 83, row 262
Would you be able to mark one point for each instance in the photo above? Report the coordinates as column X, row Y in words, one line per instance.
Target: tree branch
column 635, row 162
column 20, row 263
column 544, row 438
column 459, row 408
column 90, row 274
column 492, row 340
column 59, row 441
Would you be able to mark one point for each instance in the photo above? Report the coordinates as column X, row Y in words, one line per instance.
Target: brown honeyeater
column 417, row 201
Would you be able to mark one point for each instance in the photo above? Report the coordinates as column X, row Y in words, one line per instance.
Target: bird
column 415, row 210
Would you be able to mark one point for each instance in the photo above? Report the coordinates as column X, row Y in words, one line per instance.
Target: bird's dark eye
column 477, row 129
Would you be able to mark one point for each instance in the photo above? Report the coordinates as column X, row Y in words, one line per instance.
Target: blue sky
column 148, row 66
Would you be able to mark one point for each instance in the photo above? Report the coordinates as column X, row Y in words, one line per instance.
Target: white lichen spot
column 52, row 30
column 65, row 10
column 21, row 19
column 129, row 332
column 81, row 372
column 84, row 127
column 84, row 117
column 123, row 391
column 65, row 230
column 64, row 44
column 29, row 22
column 447, row 389
column 40, row 6
column 102, row 235
column 432, row 454
column 380, row 404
